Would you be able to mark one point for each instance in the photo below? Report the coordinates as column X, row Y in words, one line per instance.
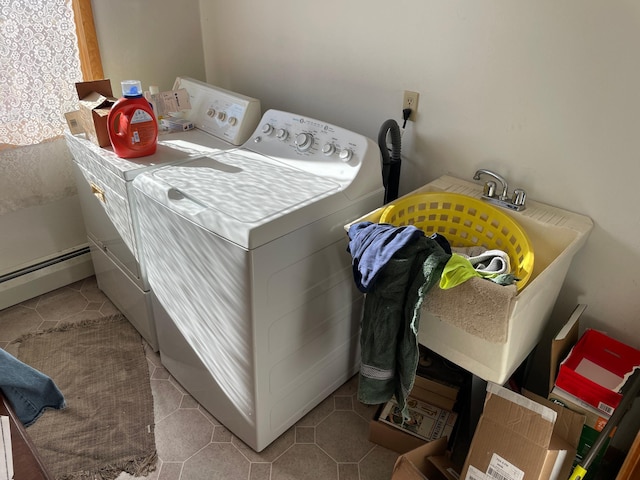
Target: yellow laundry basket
column 465, row 221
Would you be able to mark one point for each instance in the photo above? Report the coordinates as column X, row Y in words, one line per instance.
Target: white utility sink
column 556, row 236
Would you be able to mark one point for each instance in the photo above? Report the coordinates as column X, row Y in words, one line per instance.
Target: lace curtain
column 39, row 65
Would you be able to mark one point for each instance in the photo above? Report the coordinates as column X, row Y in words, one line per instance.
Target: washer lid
column 245, row 186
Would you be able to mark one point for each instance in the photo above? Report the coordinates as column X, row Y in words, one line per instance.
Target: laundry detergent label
column 140, row 116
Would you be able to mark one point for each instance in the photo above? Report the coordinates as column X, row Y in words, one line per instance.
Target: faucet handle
column 519, row 197
column 489, row 189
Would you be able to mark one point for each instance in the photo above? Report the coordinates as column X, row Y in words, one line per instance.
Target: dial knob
column 232, row 121
column 282, row 134
column 222, row 116
column 267, row 129
column 345, row 154
column 328, row 149
column 211, row 112
column 304, row 141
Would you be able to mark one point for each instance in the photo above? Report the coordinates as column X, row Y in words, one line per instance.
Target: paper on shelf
column 6, row 458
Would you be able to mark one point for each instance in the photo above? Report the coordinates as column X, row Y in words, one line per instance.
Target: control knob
column 211, row 112
column 232, row 121
column 282, row 134
column 304, row 141
column 328, row 149
column 222, row 116
column 345, row 154
column 267, row 129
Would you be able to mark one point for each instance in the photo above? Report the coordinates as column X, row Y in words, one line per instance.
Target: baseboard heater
column 44, row 276
column 44, row 264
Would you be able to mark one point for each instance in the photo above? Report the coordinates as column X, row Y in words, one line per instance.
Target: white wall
column 545, row 93
column 153, row 41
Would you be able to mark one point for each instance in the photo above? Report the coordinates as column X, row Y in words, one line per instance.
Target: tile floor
column 328, row 443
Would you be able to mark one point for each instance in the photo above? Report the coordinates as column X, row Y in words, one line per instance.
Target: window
column 87, row 41
column 45, row 47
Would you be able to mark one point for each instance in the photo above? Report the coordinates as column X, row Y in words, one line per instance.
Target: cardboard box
column 429, row 461
column 96, row 99
column 595, row 419
column 426, row 421
column 521, row 437
column 596, row 369
column 439, row 394
column 563, row 342
column 399, row 440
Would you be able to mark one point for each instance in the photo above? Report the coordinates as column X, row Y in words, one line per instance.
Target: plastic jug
column 131, row 123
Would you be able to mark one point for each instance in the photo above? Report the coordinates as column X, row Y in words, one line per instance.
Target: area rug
column 107, row 426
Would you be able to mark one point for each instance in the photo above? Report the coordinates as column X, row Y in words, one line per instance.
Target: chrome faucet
column 505, row 187
column 517, row 202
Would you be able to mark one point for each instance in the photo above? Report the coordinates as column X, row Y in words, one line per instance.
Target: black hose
column 390, row 163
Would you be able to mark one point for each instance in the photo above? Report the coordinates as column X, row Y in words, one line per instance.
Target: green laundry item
column 503, row 278
column 390, row 322
column 457, row 270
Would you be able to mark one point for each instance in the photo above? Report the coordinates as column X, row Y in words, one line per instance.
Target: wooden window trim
column 90, row 61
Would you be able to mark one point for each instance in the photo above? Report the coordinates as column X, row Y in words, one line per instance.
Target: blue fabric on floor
column 28, row 391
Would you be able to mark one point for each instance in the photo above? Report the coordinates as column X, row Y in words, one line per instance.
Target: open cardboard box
column 597, row 368
column 425, row 390
column 595, row 419
column 522, row 437
column 96, row 99
column 429, row 461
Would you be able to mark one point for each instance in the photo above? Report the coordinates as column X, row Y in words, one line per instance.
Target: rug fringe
column 116, row 317
column 136, row 466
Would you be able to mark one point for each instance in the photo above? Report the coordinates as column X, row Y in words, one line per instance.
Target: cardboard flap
column 101, row 87
column 446, row 391
column 405, row 470
column 419, row 455
column 445, row 466
column 564, row 340
column 568, row 425
column 493, row 438
column 519, row 414
column 414, row 462
column 427, row 462
column 96, row 101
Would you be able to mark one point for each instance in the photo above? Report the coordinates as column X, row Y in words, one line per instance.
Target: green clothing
column 457, row 270
column 390, row 322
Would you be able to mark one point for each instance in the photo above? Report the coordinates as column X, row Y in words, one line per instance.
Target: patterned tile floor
column 328, row 443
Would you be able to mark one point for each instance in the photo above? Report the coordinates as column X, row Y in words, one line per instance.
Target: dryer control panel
column 316, row 147
column 219, row 112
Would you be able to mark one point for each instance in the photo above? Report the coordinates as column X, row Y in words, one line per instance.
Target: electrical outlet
column 410, row 100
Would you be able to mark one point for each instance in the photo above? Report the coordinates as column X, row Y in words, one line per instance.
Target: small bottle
column 132, row 124
column 152, row 96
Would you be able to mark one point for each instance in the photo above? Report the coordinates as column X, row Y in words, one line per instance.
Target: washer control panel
column 311, row 145
column 224, row 114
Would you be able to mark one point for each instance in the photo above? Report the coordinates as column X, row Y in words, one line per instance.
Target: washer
column 223, row 120
column 246, row 254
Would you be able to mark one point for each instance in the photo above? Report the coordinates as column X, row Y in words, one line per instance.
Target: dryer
column 223, row 120
column 246, row 254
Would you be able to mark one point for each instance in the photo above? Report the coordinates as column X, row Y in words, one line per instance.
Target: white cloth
column 486, row 262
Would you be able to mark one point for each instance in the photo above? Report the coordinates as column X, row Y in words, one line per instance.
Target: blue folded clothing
column 372, row 245
column 28, row 391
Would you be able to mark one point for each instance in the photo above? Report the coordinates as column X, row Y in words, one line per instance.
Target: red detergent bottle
column 131, row 123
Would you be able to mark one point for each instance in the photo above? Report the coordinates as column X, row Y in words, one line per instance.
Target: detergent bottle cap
column 131, row 88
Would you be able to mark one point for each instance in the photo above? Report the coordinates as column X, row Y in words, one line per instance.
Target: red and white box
column 596, row 369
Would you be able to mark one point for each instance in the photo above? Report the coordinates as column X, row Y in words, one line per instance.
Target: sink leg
column 470, row 411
